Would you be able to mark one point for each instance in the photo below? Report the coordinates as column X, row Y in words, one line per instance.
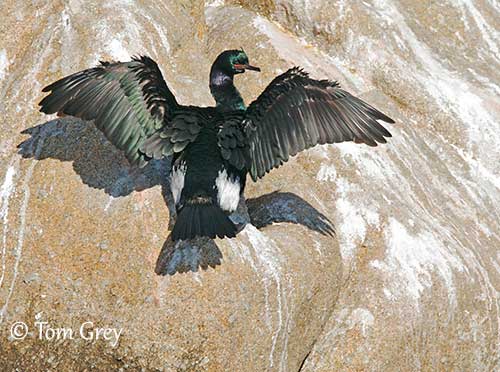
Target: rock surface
column 411, row 279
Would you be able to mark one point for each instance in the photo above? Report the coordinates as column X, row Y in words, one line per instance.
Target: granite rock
column 353, row 259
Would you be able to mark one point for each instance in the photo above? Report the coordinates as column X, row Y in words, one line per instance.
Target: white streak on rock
column 269, row 257
column 293, row 49
column 243, row 252
column 214, row 3
column 388, row 294
column 363, row 317
column 4, row 64
column 450, row 92
column 20, row 237
column 371, row 163
column 354, row 219
column 326, row 173
column 163, row 37
column 118, row 51
column 489, row 34
column 108, row 204
column 352, row 230
column 6, row 191
column 496, row 265
column 414, row 258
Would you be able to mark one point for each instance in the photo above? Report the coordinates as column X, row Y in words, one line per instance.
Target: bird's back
column 202, row 158
column 206, row 187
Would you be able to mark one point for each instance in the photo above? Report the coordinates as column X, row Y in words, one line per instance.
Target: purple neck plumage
column 226, row 95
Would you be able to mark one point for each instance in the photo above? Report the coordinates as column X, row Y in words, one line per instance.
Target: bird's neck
column 226, row 95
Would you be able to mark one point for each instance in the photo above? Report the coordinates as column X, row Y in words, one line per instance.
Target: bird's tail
column 202, row 218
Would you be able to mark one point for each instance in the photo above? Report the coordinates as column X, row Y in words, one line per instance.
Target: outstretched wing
column 296, row 112
column 128, row 101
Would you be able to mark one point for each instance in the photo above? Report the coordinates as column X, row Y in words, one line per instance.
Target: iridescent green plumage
column 128, row 101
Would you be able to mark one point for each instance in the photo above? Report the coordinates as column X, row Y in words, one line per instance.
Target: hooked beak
column 247, row 67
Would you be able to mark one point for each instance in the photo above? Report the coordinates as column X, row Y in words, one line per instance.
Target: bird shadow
column 262, row 211
column 187, row 256
column 100, row 165
column 287, row 207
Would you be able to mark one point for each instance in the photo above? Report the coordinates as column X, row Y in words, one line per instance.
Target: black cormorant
column 213, row 148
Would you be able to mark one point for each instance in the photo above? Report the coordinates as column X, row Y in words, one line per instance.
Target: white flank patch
column 228, row 191
column 177, row 181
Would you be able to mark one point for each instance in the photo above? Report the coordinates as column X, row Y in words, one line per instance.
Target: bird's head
column 233, row 62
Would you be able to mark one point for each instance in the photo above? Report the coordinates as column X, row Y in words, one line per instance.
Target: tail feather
column 202, row 220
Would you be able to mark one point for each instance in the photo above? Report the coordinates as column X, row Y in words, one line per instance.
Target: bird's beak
column 247, row 67
column 250, row 67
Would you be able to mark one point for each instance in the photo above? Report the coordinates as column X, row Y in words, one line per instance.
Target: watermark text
column 43, row 330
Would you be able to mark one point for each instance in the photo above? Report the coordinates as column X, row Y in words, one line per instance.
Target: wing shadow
column 287, row 207
column 100, row 165
column 190, row 255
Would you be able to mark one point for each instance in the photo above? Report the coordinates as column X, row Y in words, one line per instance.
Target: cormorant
column 213, row 148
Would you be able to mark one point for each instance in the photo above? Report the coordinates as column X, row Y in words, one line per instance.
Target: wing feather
column 231, row 139
column 184, row 127
column 128, row 101
column 296, row 112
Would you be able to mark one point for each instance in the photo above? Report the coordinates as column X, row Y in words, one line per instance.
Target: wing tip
column 144, row 59
column 42, row 107
column 384, row 118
